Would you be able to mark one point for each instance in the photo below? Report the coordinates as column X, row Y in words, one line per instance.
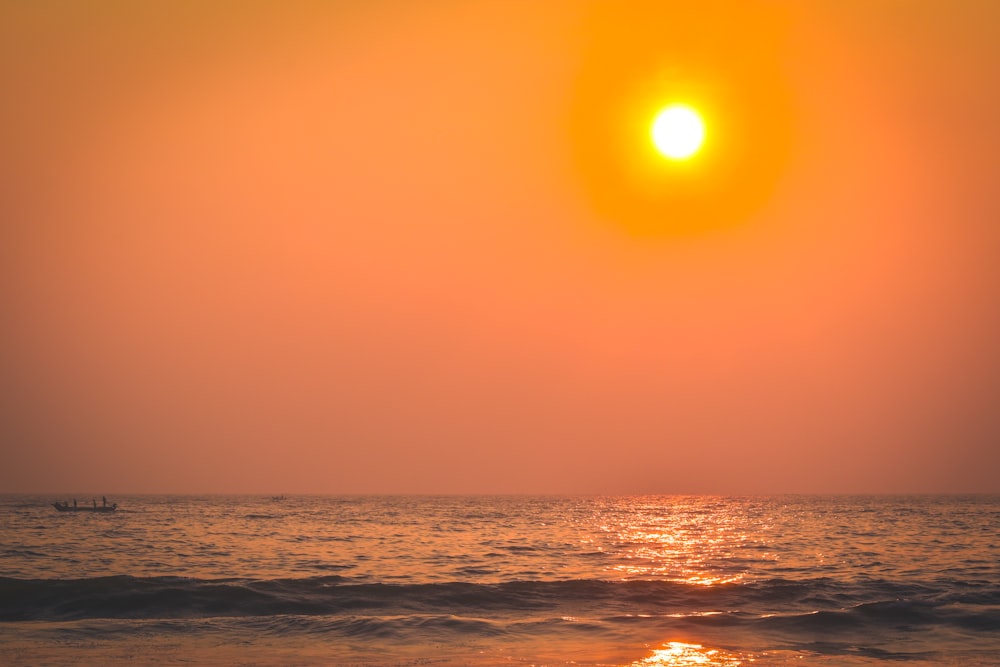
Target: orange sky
column 410, row 247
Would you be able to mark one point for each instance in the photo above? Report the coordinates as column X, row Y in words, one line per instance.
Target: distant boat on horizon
column 66, row 507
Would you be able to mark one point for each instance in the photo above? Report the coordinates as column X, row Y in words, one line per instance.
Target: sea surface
column 484, row 581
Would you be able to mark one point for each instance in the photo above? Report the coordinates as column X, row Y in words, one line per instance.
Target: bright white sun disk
column 678, row 132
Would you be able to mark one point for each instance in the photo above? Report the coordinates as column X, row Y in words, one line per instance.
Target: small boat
column 66, row 507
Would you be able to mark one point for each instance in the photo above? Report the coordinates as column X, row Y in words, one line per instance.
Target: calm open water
column 630, row 581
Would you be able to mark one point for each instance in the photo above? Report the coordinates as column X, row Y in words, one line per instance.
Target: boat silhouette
column 66, row 507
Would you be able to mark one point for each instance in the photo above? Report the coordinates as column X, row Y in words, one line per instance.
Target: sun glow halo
column 678, row 132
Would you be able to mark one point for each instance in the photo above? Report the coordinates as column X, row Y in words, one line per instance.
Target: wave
column 781, row 605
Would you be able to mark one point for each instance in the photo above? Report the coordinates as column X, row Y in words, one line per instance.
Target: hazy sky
column 394, row 247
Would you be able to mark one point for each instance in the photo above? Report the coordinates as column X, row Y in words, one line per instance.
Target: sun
column 678, row 132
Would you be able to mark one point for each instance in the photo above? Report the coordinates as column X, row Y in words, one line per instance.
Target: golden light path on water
column 680, row 654
column 683, row 545
column 686, row 547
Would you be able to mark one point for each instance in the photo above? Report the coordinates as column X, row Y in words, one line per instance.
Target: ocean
column 642, row 581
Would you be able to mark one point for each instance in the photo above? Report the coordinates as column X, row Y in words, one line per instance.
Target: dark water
column 856, row 581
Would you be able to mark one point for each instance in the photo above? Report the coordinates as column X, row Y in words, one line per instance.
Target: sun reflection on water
column 679, row 654
column 679, row 542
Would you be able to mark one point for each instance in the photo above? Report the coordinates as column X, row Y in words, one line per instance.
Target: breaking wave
column 794, row 607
